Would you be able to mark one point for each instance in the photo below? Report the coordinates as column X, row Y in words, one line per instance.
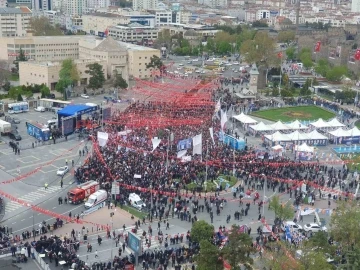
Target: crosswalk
column 30, row 197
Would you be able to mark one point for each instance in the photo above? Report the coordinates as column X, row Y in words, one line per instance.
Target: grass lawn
column 14, row 77
column 293, row 113
column 134, row 212
column 211, row 186
column 357, row 124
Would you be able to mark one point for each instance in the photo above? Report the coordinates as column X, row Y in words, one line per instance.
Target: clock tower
column 254, row 75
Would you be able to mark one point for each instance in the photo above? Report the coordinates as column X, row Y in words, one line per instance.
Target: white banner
column 223, row 119
column 125, row 132
column 155, row 142
column 197, row 144
column 186, row 159
column 212, row 134
column 102, row 138
column 181, row 153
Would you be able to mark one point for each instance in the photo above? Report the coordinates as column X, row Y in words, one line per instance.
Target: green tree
column 14, row 92
column 282, row 211
column 97, row 78
column 155, row 62
column 305, row 58
column 314, row 260
column 6, row 86
column 41, row 26
column 291, row 53
column 305, row 91
column 201, row 230
column 260, row 23
column 68, row 75
column 336, row 73
column 239, row 248
column 322, row 67
column 45, row 91
column 119, row 81
column 209, row 257
column 260, row 50
column 19, row 97
column 19, row 58
column 345, row 225
column 320, row 240
column 286, row 36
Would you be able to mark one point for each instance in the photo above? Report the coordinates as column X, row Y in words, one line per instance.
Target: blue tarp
column 76, row 110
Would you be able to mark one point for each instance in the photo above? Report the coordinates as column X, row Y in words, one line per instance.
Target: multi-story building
column 143, row 19
column 32, row 72
column 213, row 3
column 96, row 4
column 38, row 5
column 166, row 17
column 133, row 32
column 14, row 22
column 3, row 3
column 144, row 4
column 40, row 48
column 98, row 23
column 75, row 7
column 355, row 5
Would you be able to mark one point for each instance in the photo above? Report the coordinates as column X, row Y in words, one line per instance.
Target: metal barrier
column 40, row 261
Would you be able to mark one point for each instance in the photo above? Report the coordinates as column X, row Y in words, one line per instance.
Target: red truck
column 82, row 192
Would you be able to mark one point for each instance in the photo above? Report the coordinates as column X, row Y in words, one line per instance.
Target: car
column 196, row 60
column 2, row 114
column 179, row 68
column 15, row 136
column 51, row 96
column 180, row 65
column 313, row 227
column 235, row 71
column 15, row 120
column 62, row 170
column 292, row 225
column 189, row 62
column 84, row 96
column 236, row 63
column 228, row 64
column 40, row 109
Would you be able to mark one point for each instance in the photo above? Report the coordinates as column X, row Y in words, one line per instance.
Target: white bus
column 18, row 107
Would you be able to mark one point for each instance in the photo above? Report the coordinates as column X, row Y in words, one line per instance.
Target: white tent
column 261, row 127
column 320, row 123
column 304, row 148
column 340, row 133
column 335, row 123
column 354, row 132
column 296, row 125
column 279, row 126
column 277, row 147
column 245, row 119
column 297, row 136
column 278, row 137
column 315, row 135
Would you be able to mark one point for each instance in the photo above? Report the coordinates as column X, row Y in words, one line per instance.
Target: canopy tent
column 278, row 137
column 76, row 110
column 245, row 119
column 335, row 123
column 279, row 126
column 320, row 123
column 261, row 127
column 297, row 136
column 304, row 148
column 315, row 135
column 277, row 147
column 340, row 133
column 296, row 125
column 354, row 132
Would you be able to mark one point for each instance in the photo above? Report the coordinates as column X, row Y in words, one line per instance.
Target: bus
column 53, row 105
column 18, row 107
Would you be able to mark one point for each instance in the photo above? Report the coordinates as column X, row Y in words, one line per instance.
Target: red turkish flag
column 280, row 55
column 318, row 46
column 357, row 54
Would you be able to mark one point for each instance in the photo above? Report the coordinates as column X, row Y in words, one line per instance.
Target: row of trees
column 17, row 93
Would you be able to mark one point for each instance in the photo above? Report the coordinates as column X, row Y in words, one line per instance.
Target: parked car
column 15, row 120
column 313, row 227
column 62, row 170
column 52, row 96
column 40, row 109
column 84, row 96
column 292, row 226
column 15, row 136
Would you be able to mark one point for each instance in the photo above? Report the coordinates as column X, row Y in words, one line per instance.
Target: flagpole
column 280, row 74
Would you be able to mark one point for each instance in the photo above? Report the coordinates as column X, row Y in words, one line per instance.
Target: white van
column 96, row 198
column 135, row 201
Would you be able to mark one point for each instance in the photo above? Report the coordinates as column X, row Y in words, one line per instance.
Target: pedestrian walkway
column 30, row 197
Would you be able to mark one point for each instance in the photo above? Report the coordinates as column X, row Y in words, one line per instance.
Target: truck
column 5, row 127
column 82, row 192
column 38, row 131
column 96, row 198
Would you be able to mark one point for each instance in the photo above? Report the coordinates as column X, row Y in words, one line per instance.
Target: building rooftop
column 19, row 10
column 110, row 45
column 134, row 47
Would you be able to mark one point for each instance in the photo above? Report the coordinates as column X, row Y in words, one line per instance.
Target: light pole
column 206, row 164
column 151, row 201
column 167, row 151
column 263, row 206
column 112, row 242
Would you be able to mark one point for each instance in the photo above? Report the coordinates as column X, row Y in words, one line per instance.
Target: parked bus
column 18, row 107
column 53, row 104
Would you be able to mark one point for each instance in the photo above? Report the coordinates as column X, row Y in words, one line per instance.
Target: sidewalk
column 101, row 217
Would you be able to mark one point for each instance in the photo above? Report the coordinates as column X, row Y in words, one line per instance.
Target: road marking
column 54, row 207
column 13, row 223
column 22, row 219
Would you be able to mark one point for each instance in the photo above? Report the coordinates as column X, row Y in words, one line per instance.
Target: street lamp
column 206, row 161
column 167, row 151
column 33, row 219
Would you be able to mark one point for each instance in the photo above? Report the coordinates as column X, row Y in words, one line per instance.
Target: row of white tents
column 295, row 136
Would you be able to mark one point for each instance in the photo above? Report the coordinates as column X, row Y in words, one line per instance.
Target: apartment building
column 33, row 72
column 213, row 3
column 14, row 22
column 75, row 7
column 145, row 4
column 3, row 3
column 166, row 17
column 40, row 48
column 133, row 32
column 96, row 23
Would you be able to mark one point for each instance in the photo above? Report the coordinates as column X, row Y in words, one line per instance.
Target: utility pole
column 206, row 164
